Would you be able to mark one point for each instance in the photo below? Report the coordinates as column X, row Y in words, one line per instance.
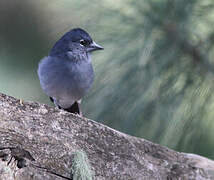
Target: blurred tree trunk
column 43, row 141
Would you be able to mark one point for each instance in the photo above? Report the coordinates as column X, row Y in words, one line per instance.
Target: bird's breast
column 63, row 79
column 81, row 75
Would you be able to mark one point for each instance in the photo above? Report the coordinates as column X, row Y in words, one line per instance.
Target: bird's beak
column 94, row 46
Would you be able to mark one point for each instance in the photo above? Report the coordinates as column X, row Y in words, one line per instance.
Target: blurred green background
column 155, row 78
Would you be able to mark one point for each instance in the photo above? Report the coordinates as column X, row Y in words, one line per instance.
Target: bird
column 67, row 74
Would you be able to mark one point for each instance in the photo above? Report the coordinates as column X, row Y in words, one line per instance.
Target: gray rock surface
column 43, row 140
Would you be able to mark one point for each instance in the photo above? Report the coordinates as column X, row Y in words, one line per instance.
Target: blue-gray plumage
column 66, row 74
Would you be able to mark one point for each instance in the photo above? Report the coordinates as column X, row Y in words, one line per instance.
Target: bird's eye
column 83, row 42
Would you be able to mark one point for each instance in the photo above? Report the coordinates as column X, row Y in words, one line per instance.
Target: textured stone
column 51, row 136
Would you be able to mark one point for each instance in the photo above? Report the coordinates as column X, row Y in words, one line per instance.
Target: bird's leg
column 55, row 102
column 80, row 112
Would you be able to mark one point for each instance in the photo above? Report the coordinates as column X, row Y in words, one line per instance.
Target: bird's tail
column 74, row 108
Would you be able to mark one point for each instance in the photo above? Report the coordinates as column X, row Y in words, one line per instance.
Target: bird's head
column 75, row 39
